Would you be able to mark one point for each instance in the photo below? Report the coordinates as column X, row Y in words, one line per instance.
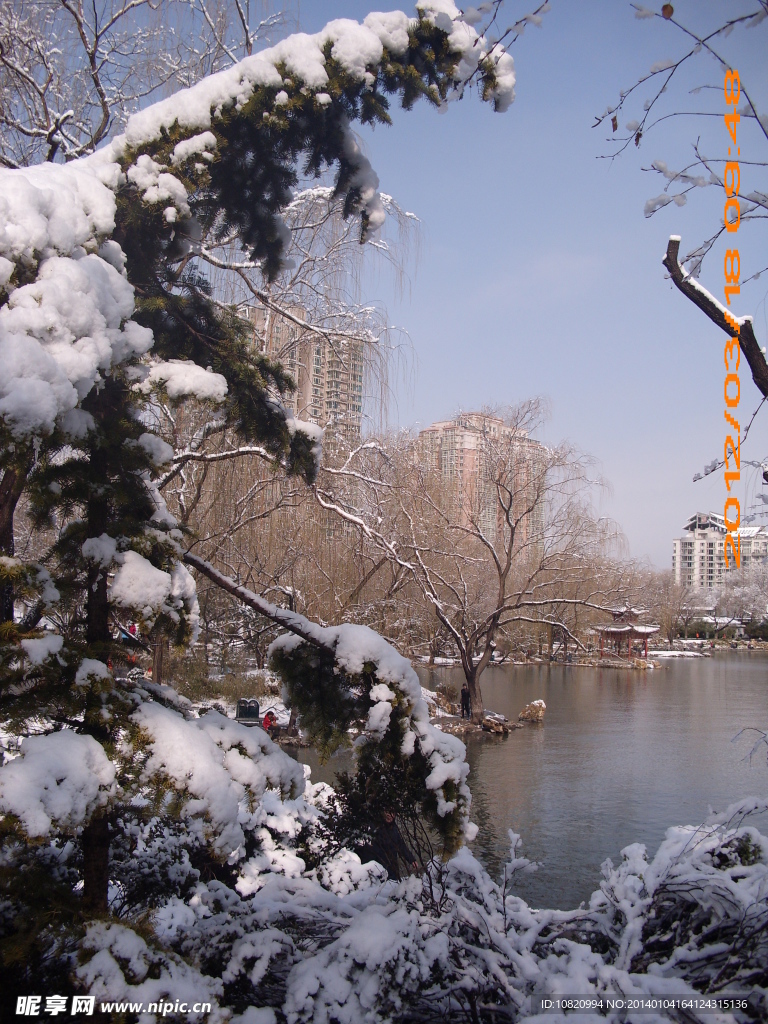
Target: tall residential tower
column 328, row 370
column 698, row 558
column 465, row 451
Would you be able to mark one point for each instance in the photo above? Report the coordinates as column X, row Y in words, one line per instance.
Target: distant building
column 328, row 371
column 698, row 559
column 461, row 451
column 754, row 544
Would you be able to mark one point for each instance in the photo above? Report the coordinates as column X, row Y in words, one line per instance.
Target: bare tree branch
column 719, row 315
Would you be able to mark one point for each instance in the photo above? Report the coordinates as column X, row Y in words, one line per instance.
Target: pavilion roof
column 636, row 630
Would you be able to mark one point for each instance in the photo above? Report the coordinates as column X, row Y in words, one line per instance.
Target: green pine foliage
column 328, row 701
column 333, row 706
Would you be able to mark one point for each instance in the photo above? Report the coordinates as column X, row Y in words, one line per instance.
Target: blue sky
column 539, row 275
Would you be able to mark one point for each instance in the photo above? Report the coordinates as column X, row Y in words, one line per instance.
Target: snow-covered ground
column 679, row 654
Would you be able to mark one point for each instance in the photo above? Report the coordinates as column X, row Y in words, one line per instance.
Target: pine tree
column 102, row 315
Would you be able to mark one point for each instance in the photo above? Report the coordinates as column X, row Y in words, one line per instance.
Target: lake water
column 621, row 756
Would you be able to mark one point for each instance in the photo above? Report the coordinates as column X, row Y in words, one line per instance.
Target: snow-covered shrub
column 699, row 910
column 358, row 681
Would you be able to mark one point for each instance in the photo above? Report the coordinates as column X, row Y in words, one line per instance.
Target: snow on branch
column 219, row 763
column 353, row 648
column 719, row 315
column 181, row 378
column 59, row 780
column 60, row 267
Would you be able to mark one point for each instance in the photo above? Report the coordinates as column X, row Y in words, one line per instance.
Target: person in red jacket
column 270, row 722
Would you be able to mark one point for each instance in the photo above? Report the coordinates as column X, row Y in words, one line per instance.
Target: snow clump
column 311, row 430
column 158, row 977
column 90, row 668
column 100, row 549
column 158, row 450
column 140, row 585
column 182, row 378
column 59, row 334
column 224, row 767
column 39, row 650
column 60, row 778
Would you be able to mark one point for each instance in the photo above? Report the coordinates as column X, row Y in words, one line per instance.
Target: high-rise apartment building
column 328, row 371
column 698, row 559
column 464, row 451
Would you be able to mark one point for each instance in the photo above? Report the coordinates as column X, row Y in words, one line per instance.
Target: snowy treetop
column 357, row 48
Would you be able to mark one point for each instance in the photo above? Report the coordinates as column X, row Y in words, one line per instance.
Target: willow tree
column 492, row 532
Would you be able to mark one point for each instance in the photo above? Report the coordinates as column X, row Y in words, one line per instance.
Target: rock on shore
column 533, row 712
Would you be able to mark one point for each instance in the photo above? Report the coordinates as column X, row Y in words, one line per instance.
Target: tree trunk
column 95, row 846
column 11, row 487
column 158, row 661
column 97, row 630
column 95, row 836
column 476, row 705
column 97, row 601
column 293, row 723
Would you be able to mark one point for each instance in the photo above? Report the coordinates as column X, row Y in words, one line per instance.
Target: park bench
column 248, row 712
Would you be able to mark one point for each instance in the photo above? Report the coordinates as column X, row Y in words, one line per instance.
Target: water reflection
column 620, row 757
column 341, row 761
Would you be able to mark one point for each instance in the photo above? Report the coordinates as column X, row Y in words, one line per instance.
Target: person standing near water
column 389, row 848
column 465, row 706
